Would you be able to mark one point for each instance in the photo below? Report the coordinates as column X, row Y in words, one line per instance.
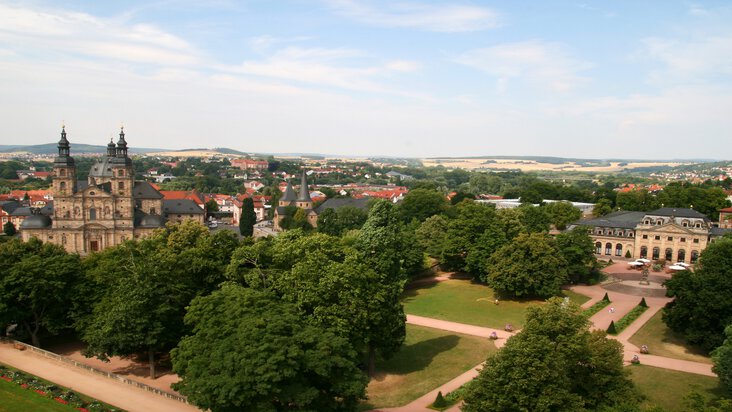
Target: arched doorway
column 656, row 253
column 618, row 250
column 681, row 255
column 694, row 256
column 598, row 248
column 608, row 248
column 644, row 252
column 669, row 255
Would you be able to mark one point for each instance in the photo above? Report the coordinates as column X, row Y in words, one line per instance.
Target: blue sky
column 649, row 79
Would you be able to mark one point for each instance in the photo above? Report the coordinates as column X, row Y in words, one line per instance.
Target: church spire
column 122, row 143
column 304, row 193
column 111, row 148
column 64, row 150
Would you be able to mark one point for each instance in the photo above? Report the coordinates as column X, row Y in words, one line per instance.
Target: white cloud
column 707, row 54
column 265, row 42
column 446, row 17
column 547, row 65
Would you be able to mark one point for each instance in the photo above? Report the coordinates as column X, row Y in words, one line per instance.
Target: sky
column 620, row 79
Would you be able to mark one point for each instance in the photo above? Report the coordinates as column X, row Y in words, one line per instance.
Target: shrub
column 598, row 306
column 643, row 303
column 656, row 267
column 627, row 254
column 611, row 329
column 439, row 401
column 630, row 317
column 606, row 297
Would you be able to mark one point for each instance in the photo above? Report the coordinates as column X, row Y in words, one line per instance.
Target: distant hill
column 80, row 148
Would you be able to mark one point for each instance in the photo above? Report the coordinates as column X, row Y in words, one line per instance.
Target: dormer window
column 647, row 222
column 659, row 222
column 698, row 225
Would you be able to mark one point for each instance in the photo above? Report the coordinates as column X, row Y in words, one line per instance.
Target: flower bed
column 629, row 318
column 598, row 306
column 52, row 391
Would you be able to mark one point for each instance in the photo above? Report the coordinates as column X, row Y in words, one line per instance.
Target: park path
column 107, row 390
column 601, row 320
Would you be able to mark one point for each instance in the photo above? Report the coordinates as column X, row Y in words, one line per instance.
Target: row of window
column 684, row 223
column 656, row 252
column 671, row 238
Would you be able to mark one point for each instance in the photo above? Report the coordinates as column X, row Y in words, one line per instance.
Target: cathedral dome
column 36, row 222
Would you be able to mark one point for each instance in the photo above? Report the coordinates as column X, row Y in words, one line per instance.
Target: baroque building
column 673, row 234
column 106, row 209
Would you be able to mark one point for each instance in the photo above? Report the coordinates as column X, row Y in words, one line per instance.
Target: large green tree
column 553, row 364
column 432, row 234
column 251, row 351
column 562, row 213
column 248, row 217
column 702, row 305
column 579, row 252
column 9, row 228
column 529, row 266
column 722, row 358
column 37, row 283
column 470, row 221
column 338, row 221
column 422, row 203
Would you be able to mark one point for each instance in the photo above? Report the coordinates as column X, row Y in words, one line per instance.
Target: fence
column 92, row 369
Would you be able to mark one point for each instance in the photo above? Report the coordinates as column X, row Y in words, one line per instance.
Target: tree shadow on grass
column 415, row 357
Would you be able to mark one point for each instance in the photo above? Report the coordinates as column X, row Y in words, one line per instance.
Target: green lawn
column 13, row 398
column 471, row 303
column 662, row 341
column 667, row 388
column 428, row 359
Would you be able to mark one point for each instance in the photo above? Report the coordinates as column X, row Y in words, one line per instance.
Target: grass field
column 428, row 359
column 13, row 398
column 471, row 303
column 662, row 341
column 667, row 388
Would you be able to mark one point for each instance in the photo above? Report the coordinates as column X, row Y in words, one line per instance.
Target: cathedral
column 301, row 201
column 106, row 209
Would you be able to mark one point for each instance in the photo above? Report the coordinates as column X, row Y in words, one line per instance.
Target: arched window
column 644, row 252
column 62, row 172
column 656, row 253
column 608, row 248
column 618, row 250
column 694, row 256
column 62, row 185
column 92, row 214
column 598, row 247
column 697, row 225
column 647, row 222
column 659, row 222
column 681, row 257
column 669, row 254
column 685, row 223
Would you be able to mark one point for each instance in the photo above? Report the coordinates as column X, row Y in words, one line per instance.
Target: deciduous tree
column 248, row 217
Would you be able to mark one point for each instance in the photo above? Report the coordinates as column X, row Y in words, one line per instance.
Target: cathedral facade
column 106, row 209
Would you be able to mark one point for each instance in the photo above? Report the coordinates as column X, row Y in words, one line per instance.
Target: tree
column 602, row 207
column 422, row 203
column 529, row 266
column 251, row 351
column 702, row 307
column 248, row 217
column 431, row 234
column 553, row 364
column 534, row 218
column 212, row 206
column 9, row 229
column 36, row 286
column 470, row 221
column 531, row 196
column 380, row 247
column 722, row 358
column 562, row 213
column 578, row 251
column 338, row 221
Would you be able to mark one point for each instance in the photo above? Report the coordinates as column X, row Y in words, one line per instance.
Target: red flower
column 60, row 400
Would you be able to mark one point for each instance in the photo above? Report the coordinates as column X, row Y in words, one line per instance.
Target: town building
column 249, row 164
column 725, row 218
column 301, row 201
column 106, row 209
column 673, row 234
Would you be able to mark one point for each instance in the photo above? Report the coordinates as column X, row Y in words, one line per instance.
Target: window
column 62, row 172
column 62, row 186
column 644, row 252
column 694, row 256
column 669, row 254
column 659, row 222
column 685, row 223
column 618, row 250
column 698, row 225
column 681, row 255
column 657, row 237
column 91, row 193
column 670, row 239
column 631, row 234
column 608, row 248
column 682, row 240
column 152, row 211
column 121, row 172
column 645, row 236
column 598, row 247
column 656, row 253
column 647, row 222
column 121, row 185
column 696, row 240
column 92, row 214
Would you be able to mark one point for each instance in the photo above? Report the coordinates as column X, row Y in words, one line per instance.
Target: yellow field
column 533, row 166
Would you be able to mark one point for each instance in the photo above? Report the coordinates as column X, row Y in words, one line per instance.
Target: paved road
column 107, row 390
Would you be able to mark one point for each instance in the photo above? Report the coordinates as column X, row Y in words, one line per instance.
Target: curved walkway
column 107, row 390
column 620, row 302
